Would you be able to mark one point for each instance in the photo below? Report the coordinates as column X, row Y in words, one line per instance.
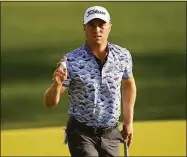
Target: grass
column 139, row 26
column 154, row 138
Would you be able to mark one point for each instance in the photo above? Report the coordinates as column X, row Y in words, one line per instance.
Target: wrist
column 128, row 120
column 127, row 124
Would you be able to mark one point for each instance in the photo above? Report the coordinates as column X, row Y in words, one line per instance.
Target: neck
column 98, row 48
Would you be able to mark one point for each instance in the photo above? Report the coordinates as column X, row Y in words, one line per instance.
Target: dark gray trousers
column 86, row 144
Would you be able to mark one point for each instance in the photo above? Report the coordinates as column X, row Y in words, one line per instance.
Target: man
column 93, row 77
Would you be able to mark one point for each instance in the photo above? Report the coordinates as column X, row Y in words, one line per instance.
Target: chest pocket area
column 114, row 74
column 114, row 69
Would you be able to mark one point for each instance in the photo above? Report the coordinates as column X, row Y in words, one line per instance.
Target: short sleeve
column 128, row 65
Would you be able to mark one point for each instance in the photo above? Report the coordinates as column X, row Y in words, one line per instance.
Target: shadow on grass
column 160, row 78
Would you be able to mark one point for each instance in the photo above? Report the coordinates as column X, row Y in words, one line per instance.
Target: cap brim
column 97, row 17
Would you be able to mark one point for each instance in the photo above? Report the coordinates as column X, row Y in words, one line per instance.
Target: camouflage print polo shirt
column 93, row 88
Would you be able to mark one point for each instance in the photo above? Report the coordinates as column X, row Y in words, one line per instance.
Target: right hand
column 60, row 75
column 127, row 133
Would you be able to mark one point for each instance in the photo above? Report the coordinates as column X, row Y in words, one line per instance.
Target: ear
column 110, row 26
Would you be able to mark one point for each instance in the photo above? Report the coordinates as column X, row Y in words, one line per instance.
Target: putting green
column 153, row 138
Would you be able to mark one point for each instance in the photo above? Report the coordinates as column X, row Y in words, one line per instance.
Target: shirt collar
column 90, row 52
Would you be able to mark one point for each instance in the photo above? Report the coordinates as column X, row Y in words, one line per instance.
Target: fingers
column 129, row 140
column 60, row 72
column 65, row 71
column 125, row 134
column 60, row 69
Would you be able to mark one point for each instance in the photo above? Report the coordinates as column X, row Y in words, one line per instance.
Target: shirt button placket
column 96, row 98
column 103, row 75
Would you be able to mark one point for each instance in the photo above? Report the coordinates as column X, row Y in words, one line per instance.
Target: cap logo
column 94, row 11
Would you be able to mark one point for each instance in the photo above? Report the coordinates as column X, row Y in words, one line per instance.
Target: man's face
column 97, row 31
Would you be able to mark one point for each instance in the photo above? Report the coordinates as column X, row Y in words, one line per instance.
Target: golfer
column 94, row 74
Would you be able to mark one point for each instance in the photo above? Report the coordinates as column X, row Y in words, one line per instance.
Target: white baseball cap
column 96, row 12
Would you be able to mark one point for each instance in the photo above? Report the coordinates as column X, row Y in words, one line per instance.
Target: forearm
column 129, row 97
column 52, row 95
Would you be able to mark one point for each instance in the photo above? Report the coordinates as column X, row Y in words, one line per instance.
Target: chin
column 99, row 42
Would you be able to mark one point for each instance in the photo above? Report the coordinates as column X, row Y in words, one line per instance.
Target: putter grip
column 125, row 150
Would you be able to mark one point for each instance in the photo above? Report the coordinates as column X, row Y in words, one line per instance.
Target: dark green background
column 35, row 35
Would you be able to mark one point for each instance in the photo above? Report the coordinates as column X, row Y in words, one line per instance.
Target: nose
column 97, row 28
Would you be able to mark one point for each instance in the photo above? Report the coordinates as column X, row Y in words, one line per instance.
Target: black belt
column 94, row 130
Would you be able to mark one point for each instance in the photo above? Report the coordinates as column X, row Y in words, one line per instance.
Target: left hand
column 127, row 133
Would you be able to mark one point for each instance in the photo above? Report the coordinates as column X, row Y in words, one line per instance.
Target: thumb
column 129, row 140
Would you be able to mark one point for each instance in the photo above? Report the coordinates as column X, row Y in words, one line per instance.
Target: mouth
column 97, row 36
